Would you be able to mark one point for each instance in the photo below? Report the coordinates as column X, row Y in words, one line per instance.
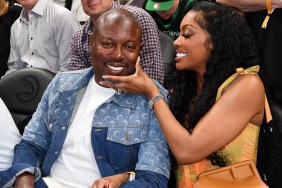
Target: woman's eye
column 187, row 35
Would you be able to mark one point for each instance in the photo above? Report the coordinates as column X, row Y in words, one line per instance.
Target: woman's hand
column 25, row 180
column 138, row 83
column 111, row 181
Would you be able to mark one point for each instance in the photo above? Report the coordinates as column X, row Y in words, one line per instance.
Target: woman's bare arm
column 242, row 102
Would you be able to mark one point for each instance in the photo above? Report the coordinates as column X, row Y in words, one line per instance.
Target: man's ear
column 142, row 45
column 90, row 39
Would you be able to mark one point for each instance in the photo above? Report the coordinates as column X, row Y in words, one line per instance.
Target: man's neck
column 29, row 7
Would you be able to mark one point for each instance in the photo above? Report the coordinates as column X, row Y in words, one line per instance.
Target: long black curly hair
column 233, row 47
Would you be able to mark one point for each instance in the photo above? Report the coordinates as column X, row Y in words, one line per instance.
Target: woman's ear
column 209, row 44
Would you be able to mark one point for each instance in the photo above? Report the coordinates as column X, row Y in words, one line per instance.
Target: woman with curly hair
column 216, row 98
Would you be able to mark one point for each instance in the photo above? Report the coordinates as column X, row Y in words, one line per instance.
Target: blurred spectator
column 168, row 14
column 76, row 8
column 269, row 41
column 8, row 14
column 41, row 36
column 137, row 3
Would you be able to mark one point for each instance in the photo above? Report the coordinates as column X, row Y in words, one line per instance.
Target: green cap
column 158, row 5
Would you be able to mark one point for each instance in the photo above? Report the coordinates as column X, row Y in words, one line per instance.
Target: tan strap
column 267, row 110
column 240, row 71
column 269, row 12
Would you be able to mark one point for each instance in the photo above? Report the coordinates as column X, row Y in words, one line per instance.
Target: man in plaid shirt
column 150, row 56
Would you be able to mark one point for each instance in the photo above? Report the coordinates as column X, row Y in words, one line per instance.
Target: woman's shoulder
column 249, row 83
column 248, row 90
column 244, row 86
column 244, row 81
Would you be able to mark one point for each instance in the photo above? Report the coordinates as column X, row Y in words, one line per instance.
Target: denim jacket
column 125, row 135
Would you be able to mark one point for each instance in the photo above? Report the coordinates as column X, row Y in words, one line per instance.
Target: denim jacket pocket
column 125, row 143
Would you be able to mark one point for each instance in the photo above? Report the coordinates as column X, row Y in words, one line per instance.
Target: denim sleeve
column 26, row 159
column 38, row 130
column 147, row 179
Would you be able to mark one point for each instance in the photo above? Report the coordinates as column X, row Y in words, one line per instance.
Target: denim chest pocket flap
column 128, row 135
column 125, row 125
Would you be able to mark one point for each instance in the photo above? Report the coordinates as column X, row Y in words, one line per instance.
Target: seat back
column 22, row 90
column 167, row 50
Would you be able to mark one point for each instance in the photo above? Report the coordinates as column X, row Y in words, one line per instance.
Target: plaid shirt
column 150, row 56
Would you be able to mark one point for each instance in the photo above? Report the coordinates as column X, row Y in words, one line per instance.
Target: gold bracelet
column 269, row 11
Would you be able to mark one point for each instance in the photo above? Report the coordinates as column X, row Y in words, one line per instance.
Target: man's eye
column 130, row 46
column 107, row 44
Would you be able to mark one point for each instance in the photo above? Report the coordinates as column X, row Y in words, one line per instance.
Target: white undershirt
column 76, row 165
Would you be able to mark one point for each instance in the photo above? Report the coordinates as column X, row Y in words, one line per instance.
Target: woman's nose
column 176, row 43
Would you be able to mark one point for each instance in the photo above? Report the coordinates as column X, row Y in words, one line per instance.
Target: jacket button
column 63, row 128
column 56, row 153
column 99, row 157
column 127, row 137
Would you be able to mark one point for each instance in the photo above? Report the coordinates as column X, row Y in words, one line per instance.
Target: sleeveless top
column 243, row 147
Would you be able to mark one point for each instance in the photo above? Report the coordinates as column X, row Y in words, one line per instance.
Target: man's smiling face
column 116, row 47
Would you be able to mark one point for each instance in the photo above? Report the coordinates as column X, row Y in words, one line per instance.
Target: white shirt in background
column 76, row 9
column 10, row 136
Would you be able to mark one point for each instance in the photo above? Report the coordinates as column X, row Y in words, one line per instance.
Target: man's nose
column 118, row 53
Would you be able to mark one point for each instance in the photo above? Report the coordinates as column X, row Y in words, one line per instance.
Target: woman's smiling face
column 193, row 46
